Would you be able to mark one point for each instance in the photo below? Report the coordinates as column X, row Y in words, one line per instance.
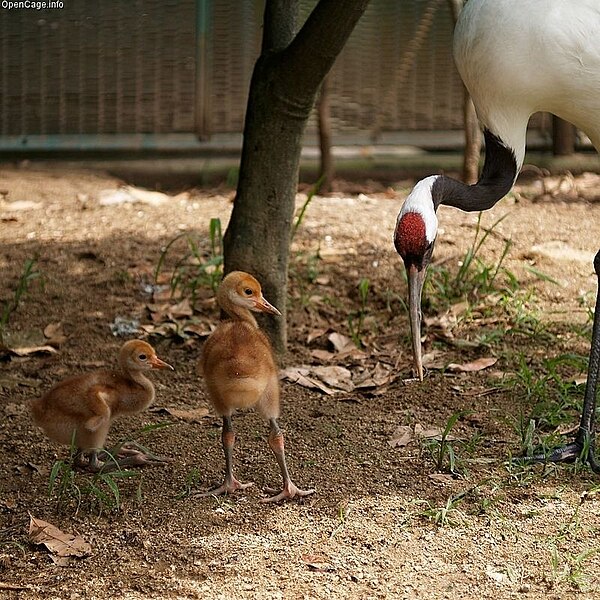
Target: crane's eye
column 248, row 292
column 142, row 357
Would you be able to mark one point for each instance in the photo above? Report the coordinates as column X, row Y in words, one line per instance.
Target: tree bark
column 285, row 81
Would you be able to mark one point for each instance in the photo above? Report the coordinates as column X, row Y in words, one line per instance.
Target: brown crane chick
column 240, row 372
column 81, row 408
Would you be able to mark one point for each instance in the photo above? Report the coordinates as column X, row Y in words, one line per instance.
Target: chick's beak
column 262, row 305
column 157, row 363
column 416, row 278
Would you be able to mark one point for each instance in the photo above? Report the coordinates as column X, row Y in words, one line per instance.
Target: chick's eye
column 248, row 292
column 142, row 357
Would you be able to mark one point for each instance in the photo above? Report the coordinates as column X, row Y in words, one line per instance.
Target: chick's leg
column 277, row 444
column 90, row 441
column 91, row 460
column 231, row 484
column 129, row 455
column 87, row 460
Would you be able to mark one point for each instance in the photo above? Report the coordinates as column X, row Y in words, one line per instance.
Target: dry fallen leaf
column 55, row 335
column 165, row 329
column 443, row 478
column 191, row 416
column 62, row 545
column 341, row 343
column 300, row 376
column 130, row 195
column 456, row 310
column 21, row 205
column 24, row 343
column 328, row 379
column 401, row 437
column 27, row 350
column 164, row 311
column 316, row 333
column 323, row 355
column 317, row 562
column 334, row 376
column 199, row 329
column 431, row 433
column 181, row 309
column 380, row 376
column 476, row 365
column 158, row 311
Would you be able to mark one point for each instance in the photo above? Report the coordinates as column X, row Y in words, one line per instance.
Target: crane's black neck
column 497, row 177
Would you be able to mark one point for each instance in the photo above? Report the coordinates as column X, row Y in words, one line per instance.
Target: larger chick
column 240, row 372
column 81, row 408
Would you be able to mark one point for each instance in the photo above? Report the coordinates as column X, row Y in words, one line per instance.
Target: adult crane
column 516, row 57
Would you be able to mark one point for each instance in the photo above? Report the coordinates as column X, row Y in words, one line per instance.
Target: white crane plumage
column 516, row 57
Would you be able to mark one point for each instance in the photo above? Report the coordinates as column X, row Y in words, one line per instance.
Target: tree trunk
column 284, row 84
column 324, row 113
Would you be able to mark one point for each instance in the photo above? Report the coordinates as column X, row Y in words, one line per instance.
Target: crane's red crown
column 410, row 236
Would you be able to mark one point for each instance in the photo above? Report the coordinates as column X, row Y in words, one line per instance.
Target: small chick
column 240, row 372
column 84, row 406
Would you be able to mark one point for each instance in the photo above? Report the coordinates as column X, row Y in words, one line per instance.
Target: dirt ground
column 384, row 521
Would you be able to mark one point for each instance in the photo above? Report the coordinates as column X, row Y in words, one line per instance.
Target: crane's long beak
column 416, row 278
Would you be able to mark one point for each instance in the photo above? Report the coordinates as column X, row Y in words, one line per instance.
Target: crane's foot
column 289, row 492
column 569, row 453
column 229, row 486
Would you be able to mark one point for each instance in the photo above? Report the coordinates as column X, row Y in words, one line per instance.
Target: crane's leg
column 290, row 490
column 231, row 484
column 584, row 445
